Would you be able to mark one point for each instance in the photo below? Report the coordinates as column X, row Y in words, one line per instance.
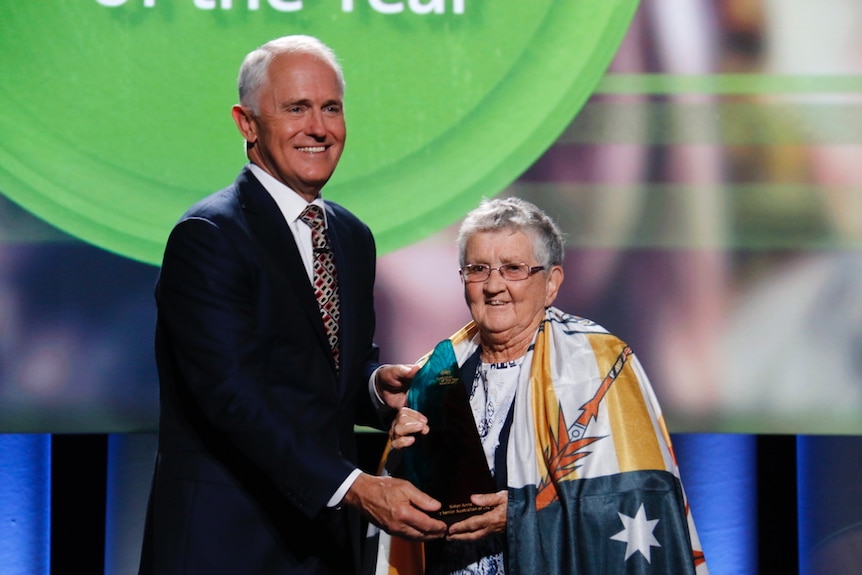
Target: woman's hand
column 480, row 526
column 406, row 425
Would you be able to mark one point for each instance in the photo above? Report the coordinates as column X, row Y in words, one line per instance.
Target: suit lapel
column 278, row 248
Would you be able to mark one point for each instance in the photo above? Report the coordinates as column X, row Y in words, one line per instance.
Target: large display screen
column 701, row 156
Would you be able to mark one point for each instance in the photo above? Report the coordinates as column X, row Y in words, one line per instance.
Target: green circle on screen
column 115, row 114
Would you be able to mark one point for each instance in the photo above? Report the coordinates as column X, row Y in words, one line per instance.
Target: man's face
column 298, row 134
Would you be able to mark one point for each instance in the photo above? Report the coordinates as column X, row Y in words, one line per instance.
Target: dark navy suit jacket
column 256, row 427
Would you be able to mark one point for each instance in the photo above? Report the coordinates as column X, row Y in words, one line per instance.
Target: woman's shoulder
column 574, row 323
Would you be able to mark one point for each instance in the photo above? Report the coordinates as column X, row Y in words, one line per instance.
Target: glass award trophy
column 449, row 463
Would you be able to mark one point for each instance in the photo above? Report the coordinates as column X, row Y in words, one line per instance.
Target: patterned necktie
column 325, row 282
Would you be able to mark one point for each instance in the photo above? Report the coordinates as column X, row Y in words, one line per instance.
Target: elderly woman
column 570, row 428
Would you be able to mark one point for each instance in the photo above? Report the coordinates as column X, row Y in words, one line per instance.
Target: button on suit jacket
column 256, row 425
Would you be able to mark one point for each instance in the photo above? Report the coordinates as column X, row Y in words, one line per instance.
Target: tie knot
column 313, row 216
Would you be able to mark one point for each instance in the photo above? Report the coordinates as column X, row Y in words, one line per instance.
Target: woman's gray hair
column 514, row 214
column 254, row 68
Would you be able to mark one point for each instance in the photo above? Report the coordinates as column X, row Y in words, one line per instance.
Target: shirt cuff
column 335, row 501
column 378, row 402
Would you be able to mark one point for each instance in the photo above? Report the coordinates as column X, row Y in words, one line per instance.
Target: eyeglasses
column 472, row 273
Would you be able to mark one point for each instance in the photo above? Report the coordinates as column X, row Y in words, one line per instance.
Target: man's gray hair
column 514, row 214
column 253, row 71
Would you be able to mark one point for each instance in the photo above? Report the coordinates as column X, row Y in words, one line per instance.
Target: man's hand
column 406, row 425
column 396, row 506
column 392, row 383
column 479, row 526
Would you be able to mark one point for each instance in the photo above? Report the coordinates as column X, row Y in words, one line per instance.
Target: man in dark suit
column 256, row 470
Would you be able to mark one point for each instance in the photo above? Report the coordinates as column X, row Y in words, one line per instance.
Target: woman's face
column 508, row 312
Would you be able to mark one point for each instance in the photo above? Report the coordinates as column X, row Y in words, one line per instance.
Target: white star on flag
column 637, row 533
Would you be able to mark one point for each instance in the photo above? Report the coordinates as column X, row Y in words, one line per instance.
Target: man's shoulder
column 226, row 202
column 223, row 201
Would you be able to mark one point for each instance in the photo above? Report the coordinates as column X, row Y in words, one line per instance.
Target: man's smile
column 312, row 149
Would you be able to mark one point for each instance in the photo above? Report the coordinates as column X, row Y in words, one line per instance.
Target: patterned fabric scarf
column 593, row 483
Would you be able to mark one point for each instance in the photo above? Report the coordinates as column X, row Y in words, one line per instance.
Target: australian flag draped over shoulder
column 593, row 483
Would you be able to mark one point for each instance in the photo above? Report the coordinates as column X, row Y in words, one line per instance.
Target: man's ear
column 245, row 122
